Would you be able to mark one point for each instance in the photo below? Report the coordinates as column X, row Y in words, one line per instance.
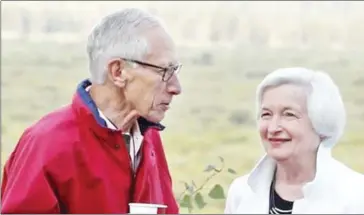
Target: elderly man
column 103, row 150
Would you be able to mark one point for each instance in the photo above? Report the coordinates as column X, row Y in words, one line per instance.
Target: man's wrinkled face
column 144, row 88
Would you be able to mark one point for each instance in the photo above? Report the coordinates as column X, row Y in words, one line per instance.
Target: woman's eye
column 264, row 114
column 289, row 114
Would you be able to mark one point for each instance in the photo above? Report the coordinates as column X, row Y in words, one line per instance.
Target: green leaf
column 186, row 185
column 189, row 188
column 217, row 192
column 209, row 168
column 186, row 202
column 200, row 202
column 231, row 171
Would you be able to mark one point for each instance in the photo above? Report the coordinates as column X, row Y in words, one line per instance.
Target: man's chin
column 155, row 117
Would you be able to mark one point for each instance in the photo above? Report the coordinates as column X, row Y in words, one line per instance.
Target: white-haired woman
column 301, row 116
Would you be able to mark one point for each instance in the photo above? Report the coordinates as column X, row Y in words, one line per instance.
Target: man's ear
column 116, row 72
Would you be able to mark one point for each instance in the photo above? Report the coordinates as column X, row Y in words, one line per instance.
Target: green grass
column 213, row 117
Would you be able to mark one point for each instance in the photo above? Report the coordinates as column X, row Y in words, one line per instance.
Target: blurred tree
column 232, row 28
column 25, row 23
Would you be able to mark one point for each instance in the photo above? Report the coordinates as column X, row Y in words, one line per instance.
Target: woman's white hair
column 325, row 106
column 119, row 34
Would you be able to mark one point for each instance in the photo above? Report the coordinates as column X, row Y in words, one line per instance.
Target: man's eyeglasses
column 167, row 72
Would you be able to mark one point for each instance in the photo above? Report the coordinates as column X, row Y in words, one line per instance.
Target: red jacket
column 70, row 162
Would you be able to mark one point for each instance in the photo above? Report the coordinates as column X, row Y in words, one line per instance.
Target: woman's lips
column 278, row 141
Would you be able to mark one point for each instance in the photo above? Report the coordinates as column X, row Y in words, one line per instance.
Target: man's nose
column 174, row 86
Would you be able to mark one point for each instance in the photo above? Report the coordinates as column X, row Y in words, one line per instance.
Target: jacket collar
column 86, row 108
column 260, row 178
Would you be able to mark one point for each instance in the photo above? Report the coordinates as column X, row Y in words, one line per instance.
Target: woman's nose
column 274, row 126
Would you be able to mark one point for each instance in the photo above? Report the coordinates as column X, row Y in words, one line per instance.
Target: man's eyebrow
column 172, row 63
column 164, row 64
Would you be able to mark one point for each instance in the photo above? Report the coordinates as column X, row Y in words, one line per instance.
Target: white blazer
column 336, row 189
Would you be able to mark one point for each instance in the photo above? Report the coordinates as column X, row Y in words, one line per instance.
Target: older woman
column 301, row 116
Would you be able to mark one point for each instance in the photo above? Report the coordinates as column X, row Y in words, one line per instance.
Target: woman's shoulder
column 348, row 182
column 350, row 187
column 238, row 187
column 347, row 173
column 239, row 182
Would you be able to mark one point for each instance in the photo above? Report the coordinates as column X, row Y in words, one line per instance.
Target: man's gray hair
column 118, row 35
column 325, row 106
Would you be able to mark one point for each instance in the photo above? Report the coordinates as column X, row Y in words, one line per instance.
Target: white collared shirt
column 336, row 189
column 137, row 137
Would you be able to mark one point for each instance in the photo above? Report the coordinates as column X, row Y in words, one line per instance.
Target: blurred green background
column 226, row 49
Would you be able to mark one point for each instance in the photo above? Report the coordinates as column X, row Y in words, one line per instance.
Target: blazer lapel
column 259, row 181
